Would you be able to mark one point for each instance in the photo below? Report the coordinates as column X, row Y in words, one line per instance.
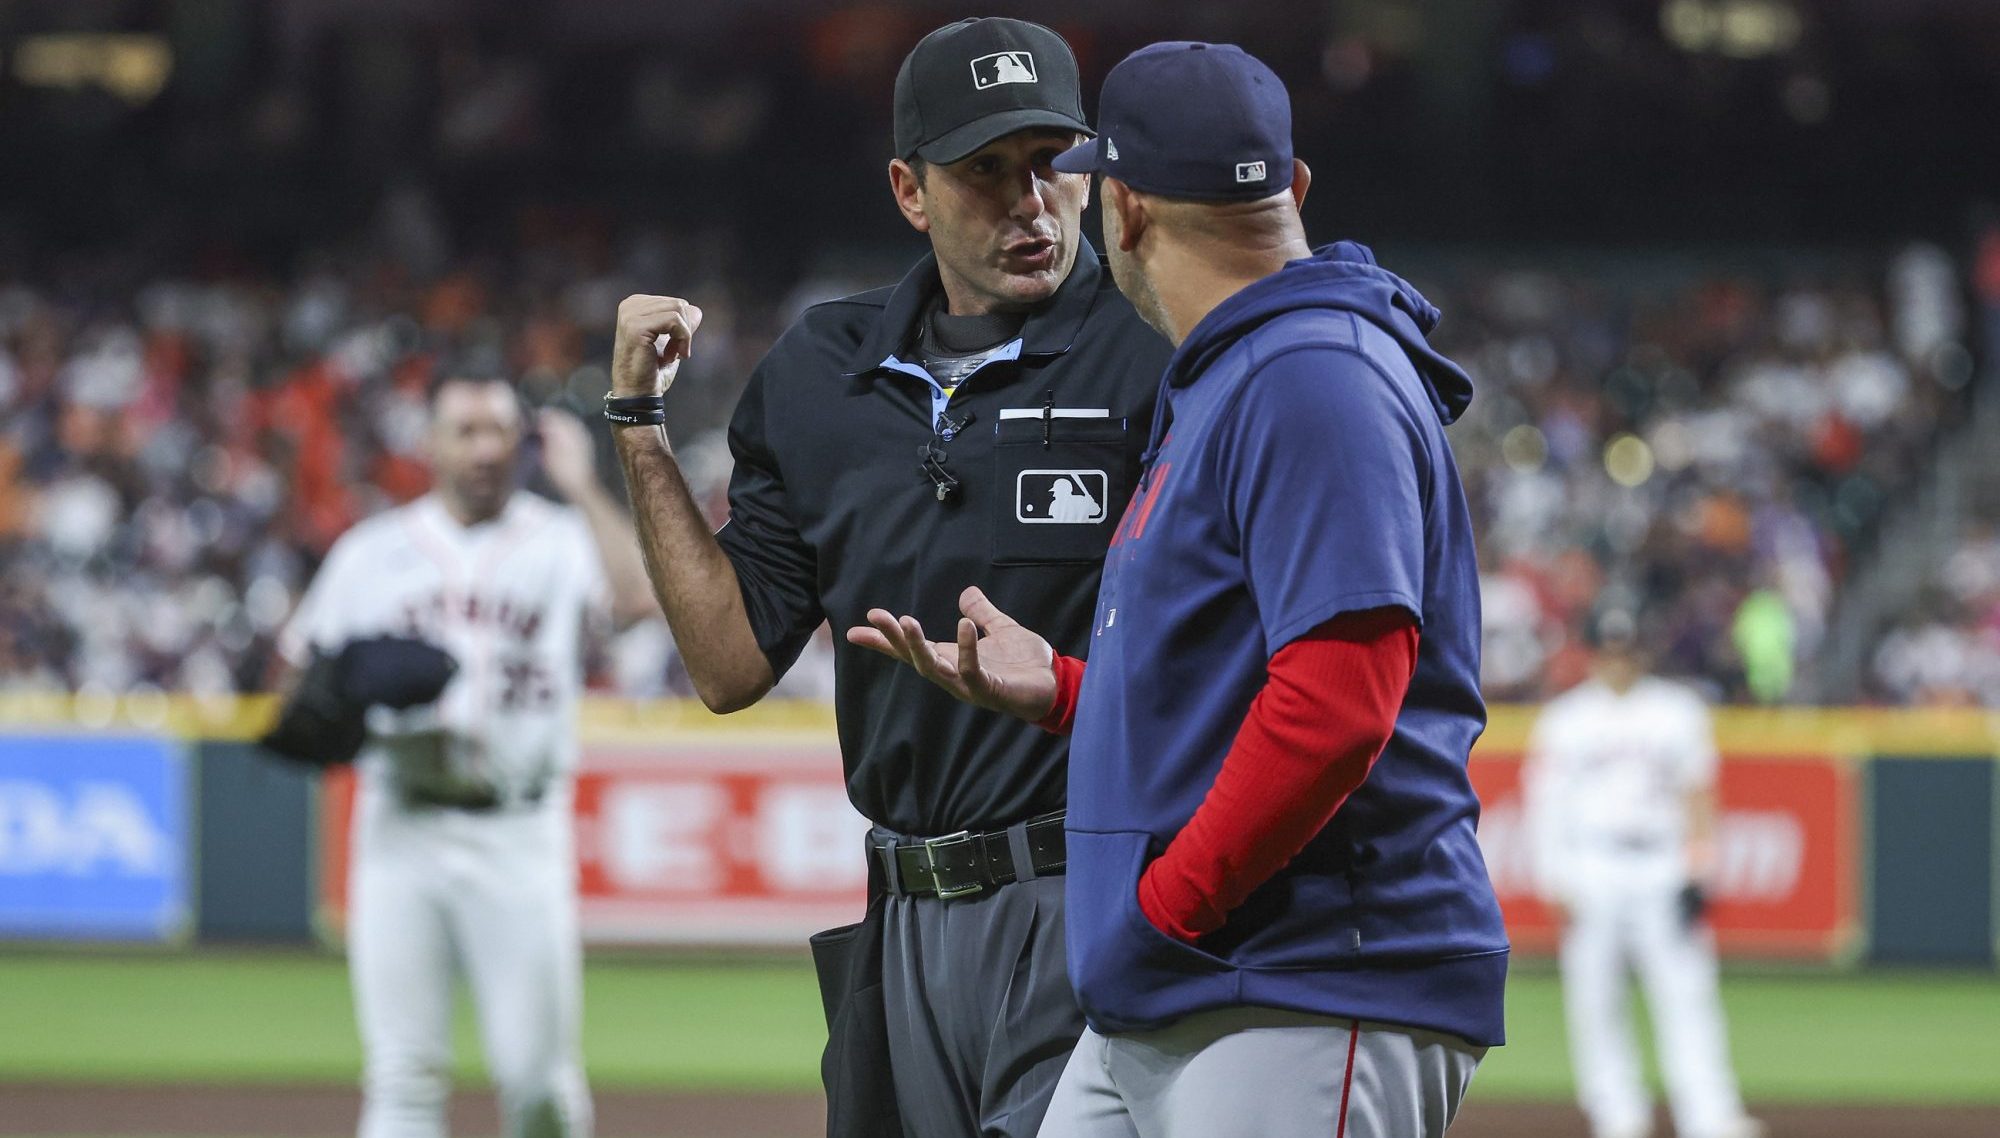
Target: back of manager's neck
column 1193, row 273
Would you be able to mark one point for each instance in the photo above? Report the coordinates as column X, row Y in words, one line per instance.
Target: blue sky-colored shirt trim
column 940, row 398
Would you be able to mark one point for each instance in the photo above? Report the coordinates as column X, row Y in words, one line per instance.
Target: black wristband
column 636, row 410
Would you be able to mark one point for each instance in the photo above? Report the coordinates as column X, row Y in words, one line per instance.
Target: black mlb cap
column 1191, row 120
column 968, row 83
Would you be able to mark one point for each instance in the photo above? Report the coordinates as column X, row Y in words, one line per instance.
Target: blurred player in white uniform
column 1620, row 788
column 463, row 862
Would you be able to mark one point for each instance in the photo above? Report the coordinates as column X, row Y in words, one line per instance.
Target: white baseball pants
column 435, row 895
column 1614, row 926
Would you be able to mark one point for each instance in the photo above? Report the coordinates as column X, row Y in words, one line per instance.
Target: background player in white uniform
column 463, row 862
column 1621, row 804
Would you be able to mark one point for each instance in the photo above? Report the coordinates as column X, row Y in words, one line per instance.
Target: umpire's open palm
column 996, row 663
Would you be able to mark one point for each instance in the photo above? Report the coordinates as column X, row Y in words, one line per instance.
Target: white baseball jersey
column 509, row 598
column 486, row 896
column 1608, row 775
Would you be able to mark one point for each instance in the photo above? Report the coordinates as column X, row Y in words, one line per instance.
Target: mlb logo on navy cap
column 1003, row 67
column 1189, row 117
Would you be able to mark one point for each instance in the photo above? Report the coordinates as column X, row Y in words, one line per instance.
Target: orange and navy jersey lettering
column 1133, row 524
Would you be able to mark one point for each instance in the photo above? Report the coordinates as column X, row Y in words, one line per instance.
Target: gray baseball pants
column 1263, row 1073
column 980, row 1012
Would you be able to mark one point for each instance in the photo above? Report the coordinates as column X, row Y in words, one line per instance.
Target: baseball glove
column 323, row 723
column 1693, row 902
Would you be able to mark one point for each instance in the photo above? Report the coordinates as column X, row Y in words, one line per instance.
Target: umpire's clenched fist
column 655, row 333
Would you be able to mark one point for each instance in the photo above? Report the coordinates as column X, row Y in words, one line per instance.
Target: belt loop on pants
column 1024, row 858
column 892, row 874
column 966, row 863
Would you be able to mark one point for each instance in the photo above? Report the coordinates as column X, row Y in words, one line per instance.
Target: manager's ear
column 1302, row 180
column 908, row 188
column 1125, row 208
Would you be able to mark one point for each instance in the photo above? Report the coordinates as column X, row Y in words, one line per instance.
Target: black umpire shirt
column 842, row 443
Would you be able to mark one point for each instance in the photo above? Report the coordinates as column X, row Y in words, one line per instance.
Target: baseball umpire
column 974, row 422
column 1280, row 922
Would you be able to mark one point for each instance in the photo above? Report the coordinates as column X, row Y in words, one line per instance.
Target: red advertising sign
column 710, row 842
column 1786, row 855
column 748, row 838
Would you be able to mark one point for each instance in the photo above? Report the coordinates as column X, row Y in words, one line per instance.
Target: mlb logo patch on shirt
column 1003, row 67
column 1060, row 497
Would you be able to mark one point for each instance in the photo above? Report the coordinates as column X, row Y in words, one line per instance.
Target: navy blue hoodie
column 1298, row 470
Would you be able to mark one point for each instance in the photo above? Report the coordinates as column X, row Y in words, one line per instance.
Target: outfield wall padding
column 1931, row 896
column 1853, row 835
column 255, row 847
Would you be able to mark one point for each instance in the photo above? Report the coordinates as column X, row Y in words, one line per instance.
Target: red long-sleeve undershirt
column 1312, row 734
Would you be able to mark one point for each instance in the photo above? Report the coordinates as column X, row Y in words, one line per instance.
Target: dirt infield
column 326, row 1112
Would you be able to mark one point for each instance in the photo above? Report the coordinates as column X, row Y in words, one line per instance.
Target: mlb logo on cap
column 1003, row 67
column 1023, row 78
column 1184, row 115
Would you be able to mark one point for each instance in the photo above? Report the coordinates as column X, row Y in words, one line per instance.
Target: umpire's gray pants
column 980, row 1012
column 1263, row 1073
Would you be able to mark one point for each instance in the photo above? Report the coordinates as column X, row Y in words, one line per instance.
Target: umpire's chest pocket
column 1060, row 488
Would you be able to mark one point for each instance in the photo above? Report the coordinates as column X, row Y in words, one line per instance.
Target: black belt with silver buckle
column 484, row 800
column 1638, row 843
column 961, row 864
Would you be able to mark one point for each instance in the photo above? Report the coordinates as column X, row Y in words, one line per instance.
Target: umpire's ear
column 1125, row 217
column 906, row 182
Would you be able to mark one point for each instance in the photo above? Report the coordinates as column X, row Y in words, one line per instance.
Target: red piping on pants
column 1347, row 1083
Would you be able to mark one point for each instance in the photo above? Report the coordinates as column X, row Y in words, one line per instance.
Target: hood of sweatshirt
column 1342, row 276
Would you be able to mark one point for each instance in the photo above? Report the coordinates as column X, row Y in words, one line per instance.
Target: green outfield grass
column 755, row 1026
column 288, row 1018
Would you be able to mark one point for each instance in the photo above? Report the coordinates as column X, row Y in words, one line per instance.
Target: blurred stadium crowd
column 1717, row 436
column 1715, row 442
column 1713, row 446
column 1948, row 653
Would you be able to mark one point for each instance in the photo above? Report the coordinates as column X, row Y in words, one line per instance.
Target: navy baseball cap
column 971, row 82
column 1191, row 120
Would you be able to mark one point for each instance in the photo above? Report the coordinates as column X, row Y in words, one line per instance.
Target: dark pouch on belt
column 860, row 1089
